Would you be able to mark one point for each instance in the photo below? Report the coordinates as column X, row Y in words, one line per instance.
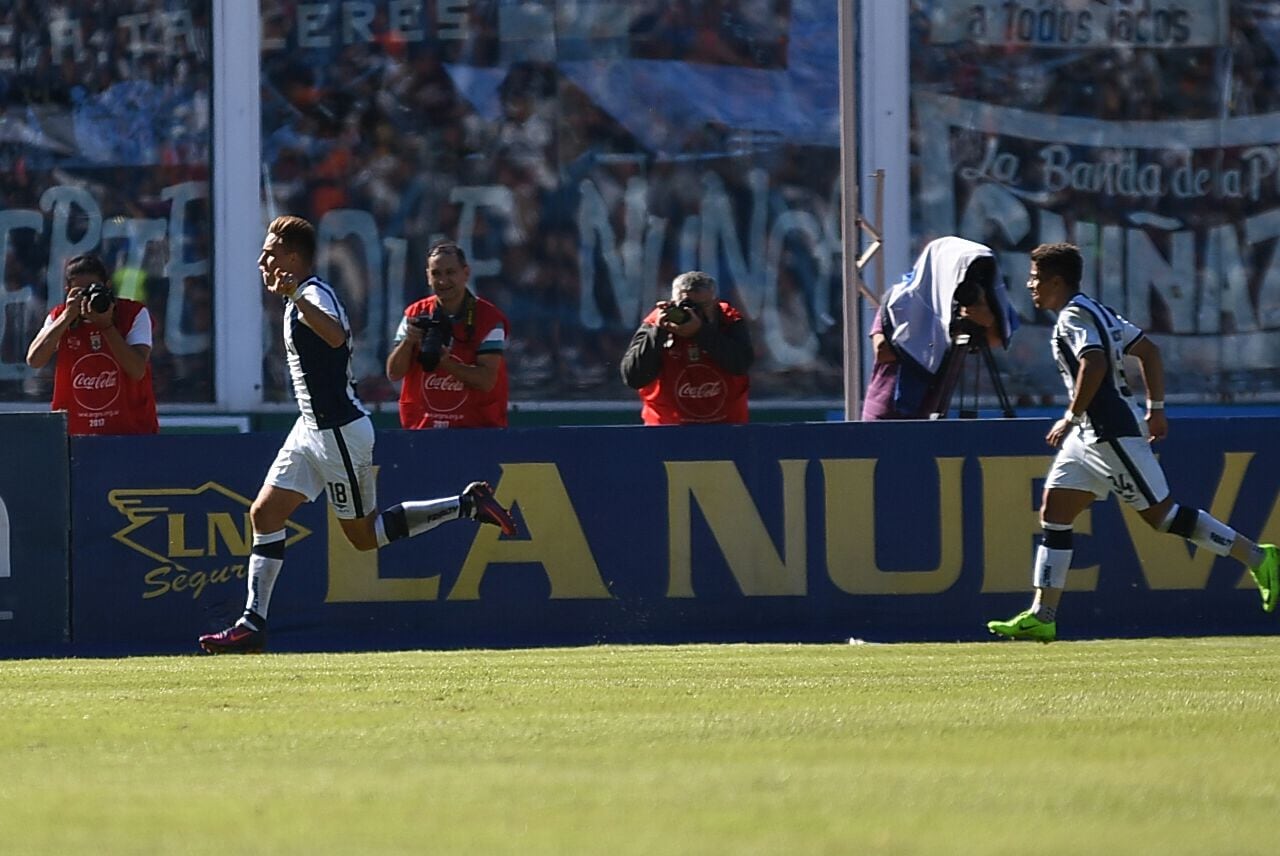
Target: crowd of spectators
column 1220, row 77
column 391, row 120
column 395, row 126
column 114, row 99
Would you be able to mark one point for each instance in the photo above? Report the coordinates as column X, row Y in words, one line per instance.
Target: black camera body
column 100, row 297
column 679, row 313
column 978, row 282
column 437, row 334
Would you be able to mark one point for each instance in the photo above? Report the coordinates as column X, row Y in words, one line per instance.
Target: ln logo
column 198, row 536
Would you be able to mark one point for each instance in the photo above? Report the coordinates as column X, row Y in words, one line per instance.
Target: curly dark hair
column 1060, row 259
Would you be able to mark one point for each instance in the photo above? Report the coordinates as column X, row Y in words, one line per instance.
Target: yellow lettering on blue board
column 220, row 526
column 735, row 521
column 237, row 538
column 178, row 548
column 851, row 530
column 1011, row 525
column 1167, row 561
column 555, row 537
column 353, row 574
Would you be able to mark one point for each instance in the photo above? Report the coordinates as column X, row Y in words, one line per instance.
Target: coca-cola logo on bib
column 700, row 392
column 95, row 381
column 443, row 393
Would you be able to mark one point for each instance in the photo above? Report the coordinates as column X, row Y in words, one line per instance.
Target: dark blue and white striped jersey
column 1086, row 325
column 323, row 382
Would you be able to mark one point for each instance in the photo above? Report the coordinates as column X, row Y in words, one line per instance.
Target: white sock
column 265, row 563
column 415, row 517
column 428, row 514
column 1213, row 535
column 1051, row 567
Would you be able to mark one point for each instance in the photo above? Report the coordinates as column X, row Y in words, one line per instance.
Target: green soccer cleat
column 1267, row 576
column 1024, row 625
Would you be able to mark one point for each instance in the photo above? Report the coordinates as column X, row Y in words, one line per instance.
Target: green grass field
column 1153, row 746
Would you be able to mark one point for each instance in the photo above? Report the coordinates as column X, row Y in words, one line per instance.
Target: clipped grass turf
column 1135, row 746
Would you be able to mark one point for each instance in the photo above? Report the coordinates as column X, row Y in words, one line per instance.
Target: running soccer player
column 331, row 445
column 1103, row 444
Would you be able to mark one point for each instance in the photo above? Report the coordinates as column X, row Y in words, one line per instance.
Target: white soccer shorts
column 338, row 461
column 1125, row 466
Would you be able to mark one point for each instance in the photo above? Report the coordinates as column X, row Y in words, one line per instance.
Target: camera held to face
column 100, row 297
column 679, row 313
column 437, row 334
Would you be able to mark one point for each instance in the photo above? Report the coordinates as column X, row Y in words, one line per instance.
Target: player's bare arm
column 285, row 284
column 1092, row 371
column 325, row 325
column 1152, row 366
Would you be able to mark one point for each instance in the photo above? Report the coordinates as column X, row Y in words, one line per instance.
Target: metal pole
column 851, row 230
column 237, row 206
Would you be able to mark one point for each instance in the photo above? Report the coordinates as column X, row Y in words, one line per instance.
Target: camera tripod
column 969, row 339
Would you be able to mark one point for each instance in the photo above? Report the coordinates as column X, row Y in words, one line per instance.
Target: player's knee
column 261, row 518
column 363, row 543
column 1173, row 518
column 360, row 534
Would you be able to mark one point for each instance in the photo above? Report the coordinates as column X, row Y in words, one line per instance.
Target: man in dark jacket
column 689, row 359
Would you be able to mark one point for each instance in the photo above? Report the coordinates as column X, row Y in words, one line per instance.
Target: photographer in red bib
column 102, row 377
column 689, row 359
column 449, row 352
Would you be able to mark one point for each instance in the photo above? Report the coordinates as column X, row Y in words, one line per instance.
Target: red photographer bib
column 89, row 384
column 436, row 399
column 691, row 386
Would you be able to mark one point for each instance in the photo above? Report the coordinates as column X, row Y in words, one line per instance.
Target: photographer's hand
column 413, row 335
column 884, row 352
column 979, row 313
column 405, row 352
column 686, row 330
column 75, row 298
column 482, row 375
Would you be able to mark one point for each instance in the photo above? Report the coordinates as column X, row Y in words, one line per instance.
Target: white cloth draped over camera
column 919, row 308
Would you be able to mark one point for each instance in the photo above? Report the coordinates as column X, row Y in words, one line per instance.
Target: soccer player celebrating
column 1103, row 444
column 331, row 445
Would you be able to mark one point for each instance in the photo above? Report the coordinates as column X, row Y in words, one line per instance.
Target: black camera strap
column 468, row 314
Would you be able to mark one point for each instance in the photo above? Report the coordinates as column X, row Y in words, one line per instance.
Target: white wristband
column 1155, row 405
column 1074, row 418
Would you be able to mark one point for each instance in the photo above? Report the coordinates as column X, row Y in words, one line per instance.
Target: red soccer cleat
column 485, row 508
column 236, row 639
